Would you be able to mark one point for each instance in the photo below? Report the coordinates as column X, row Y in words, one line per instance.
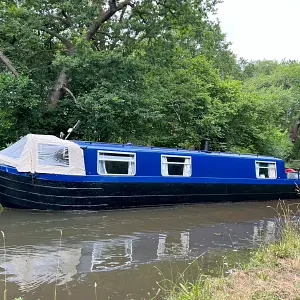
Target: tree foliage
column 151, row 72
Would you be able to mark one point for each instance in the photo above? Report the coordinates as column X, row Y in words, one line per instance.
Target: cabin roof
column 129, row 147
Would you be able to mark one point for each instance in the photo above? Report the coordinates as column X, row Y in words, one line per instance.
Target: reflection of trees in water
column 37, row 266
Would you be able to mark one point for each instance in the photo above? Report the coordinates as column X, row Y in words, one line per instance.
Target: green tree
column 150, row 72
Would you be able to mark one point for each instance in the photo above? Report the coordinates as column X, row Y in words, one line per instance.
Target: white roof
column 44, row 154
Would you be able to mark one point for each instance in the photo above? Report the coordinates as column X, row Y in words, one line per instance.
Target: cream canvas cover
column 44, row 154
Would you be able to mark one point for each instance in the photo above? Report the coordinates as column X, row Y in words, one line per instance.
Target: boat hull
column 32, row 193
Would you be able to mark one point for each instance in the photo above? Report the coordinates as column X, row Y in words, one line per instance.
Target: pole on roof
column 70, row 130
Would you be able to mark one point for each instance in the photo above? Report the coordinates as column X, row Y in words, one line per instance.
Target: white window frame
column 115, row 159
column 265, row 162
column 175, row 163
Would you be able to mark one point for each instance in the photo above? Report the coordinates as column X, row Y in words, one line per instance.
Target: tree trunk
column 294, row 131
column 59, row 88
column 8, row 64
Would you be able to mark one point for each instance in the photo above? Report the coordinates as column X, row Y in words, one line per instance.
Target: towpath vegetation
column 273, row 273
column 149, row 72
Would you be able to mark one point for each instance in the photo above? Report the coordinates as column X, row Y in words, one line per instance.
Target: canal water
column 127, row 253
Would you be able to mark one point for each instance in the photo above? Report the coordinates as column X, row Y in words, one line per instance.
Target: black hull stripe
column 44, row 195
column 130, row 196
column 48, row 186
column 27, row 192
column 21, row 203
column 46, row 190
column 51, row 204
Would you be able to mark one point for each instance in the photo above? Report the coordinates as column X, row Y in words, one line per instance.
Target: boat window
column 116, row 163
column 53, row 155
column 15, row 150
column 176, row 165
column 265, row 169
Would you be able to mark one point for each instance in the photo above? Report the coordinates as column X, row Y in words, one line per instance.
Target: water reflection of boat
column 32, row 266
column 106, row 255
column 29, row 266
column 45, row 172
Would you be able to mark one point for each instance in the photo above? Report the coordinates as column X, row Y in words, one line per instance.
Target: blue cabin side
column 204, row 164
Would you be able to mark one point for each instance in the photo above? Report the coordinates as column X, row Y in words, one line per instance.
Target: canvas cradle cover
column 44, row 154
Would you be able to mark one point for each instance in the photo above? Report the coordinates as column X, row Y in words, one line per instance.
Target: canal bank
column 271, row 272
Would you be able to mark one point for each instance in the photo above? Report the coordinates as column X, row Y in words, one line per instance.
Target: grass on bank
column 273, row 272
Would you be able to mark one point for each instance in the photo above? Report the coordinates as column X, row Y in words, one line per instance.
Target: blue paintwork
column 207, row 167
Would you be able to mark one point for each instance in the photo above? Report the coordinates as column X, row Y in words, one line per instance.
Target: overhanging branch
column 104, row 16
column 64, row 40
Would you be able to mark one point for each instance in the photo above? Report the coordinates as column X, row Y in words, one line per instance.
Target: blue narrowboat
column 46, row 172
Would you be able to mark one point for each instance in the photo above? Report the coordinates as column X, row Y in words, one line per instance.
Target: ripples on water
column 120, row 249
